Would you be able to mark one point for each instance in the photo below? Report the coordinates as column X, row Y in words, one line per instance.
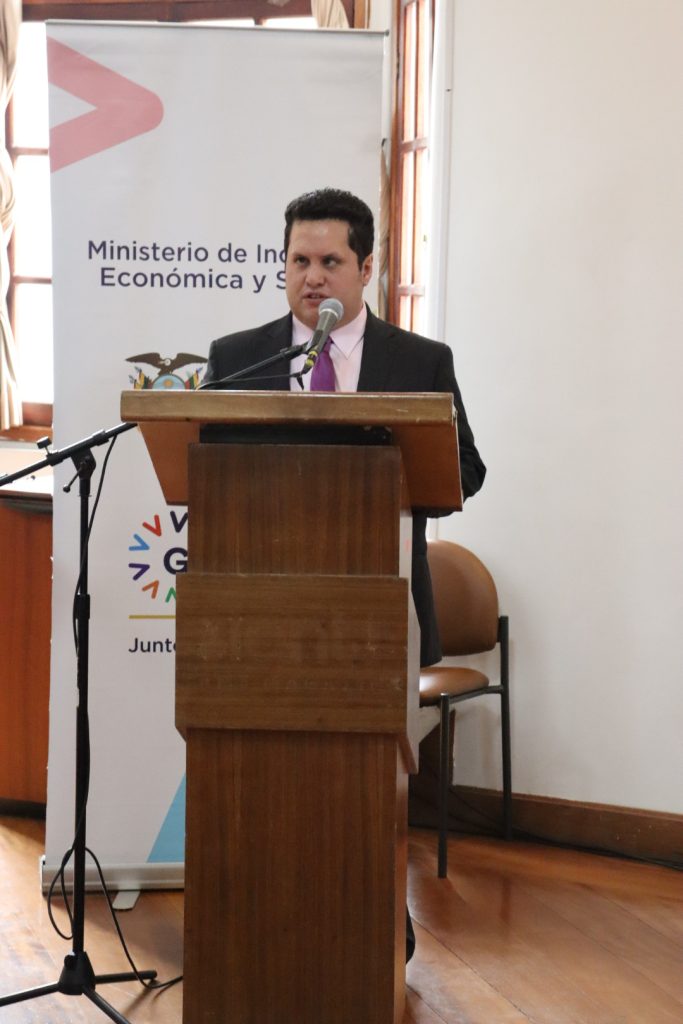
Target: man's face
column 321, row 265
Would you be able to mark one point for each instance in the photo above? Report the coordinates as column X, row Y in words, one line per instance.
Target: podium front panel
column 321, row 653
column 295, row 509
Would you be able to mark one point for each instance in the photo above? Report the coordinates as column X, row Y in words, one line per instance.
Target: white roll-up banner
column 174, row 151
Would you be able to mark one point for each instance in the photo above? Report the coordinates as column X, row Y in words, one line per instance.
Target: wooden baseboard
column 22, row 809
column 625, row 831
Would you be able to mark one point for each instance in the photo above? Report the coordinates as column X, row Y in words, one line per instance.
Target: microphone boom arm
column 284, row 353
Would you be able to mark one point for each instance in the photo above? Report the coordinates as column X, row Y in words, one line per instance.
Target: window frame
column 34, row 414
column 179, row 11
column 414, row 58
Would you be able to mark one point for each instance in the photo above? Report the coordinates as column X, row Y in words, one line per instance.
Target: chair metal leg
column 503, row 633
column 444, row 783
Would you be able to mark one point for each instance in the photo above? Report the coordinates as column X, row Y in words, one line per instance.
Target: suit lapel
column 376, row 358
column 279, row 337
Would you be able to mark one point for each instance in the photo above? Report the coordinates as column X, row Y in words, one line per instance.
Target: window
column 30, row 256
column 410, row 163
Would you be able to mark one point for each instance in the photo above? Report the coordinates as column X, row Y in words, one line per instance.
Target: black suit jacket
column 393, row 360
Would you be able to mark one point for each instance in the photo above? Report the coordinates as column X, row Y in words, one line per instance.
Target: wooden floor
column 516, row 933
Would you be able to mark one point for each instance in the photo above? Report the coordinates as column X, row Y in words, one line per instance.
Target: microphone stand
column 78, row 977
column 284, row 353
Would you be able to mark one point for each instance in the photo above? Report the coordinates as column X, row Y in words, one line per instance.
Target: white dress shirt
column 346, row 351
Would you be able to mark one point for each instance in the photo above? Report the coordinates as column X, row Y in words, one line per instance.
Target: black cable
column 488, row 818
column 597, row 851
column 143, row 981
column 59, row 876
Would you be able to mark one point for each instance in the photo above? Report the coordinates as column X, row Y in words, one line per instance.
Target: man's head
column 329, row 235
column 335, row 204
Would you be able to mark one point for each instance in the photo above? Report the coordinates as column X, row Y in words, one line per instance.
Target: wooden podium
column 296, row 683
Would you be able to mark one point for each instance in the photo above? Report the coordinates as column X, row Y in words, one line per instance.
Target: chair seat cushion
column 449, row 679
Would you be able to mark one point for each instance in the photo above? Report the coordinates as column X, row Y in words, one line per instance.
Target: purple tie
column 322, row 374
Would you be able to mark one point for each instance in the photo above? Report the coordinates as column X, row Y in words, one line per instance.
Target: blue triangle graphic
column 169, row 847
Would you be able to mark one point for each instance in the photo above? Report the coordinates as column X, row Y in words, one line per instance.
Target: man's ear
column 366, row 269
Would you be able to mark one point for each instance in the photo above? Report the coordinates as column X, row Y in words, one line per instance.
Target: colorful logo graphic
column 158, row 553
column 166, row 379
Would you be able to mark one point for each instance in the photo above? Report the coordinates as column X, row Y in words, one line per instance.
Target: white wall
column 564, row 306
column 381, row 15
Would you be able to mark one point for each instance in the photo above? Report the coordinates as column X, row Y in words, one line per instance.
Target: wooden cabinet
column 25, row 603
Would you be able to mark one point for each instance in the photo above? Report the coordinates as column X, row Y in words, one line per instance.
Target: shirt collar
column 345, row 338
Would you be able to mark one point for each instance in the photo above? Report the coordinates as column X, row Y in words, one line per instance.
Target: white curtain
column 10, row 403
column 383, row 231
column 329, row 14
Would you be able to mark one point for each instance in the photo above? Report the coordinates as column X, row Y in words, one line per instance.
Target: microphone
column 330, row 312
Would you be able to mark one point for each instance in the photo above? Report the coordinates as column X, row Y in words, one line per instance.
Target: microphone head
column 334, row 310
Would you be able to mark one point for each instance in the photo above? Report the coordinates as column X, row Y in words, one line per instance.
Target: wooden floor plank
column 32, row 954
column 489, row 917
column 662, row 914
column 620, row 878
column 487, row 937
column 517, row 933
column 618, row 930
column 453, row 991
column 418, row 1012
column 613, row 985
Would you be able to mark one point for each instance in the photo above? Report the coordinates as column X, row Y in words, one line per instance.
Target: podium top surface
column 279, row 407
column 422, row 425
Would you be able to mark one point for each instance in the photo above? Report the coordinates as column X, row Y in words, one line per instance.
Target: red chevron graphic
column 123, row 109
column 156, row 529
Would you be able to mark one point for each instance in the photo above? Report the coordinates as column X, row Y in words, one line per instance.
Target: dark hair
column 335, row 204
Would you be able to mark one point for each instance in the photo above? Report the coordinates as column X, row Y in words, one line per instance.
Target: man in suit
column 329, row 238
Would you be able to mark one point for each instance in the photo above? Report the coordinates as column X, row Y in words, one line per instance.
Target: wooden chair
column 469, row 622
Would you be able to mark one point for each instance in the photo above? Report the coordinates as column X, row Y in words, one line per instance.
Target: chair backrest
column 465, row 599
